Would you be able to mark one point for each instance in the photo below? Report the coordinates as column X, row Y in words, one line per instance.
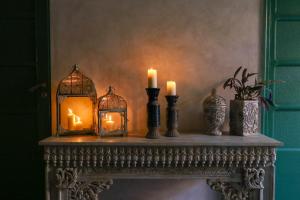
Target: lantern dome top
column 76, row 84
column 111, row 101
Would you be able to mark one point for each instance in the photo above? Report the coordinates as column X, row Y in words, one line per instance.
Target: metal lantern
column 112, row 114
column 76, row 99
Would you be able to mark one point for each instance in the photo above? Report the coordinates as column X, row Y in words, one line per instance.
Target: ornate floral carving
column 159, row 156
column 243, row 117
column 230, row 191
column 88, row 190
column 66, row 178
column 254, row 178
column 214, row 109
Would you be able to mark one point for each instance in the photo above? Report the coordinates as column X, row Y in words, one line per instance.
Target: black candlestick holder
column 172, row 117
column 153, row 110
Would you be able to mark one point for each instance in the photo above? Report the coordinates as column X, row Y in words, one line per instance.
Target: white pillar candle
column 78, row 123
column 110, row 123
column 152, row 78
column 70, row 119
column 171, row 88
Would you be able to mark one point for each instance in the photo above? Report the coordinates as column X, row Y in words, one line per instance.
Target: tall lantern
column 112, row 114
column 76, row 99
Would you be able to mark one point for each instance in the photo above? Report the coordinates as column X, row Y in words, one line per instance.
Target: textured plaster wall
column 197, row 43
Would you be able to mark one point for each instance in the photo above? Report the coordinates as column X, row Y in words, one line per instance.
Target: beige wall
column 197, row 43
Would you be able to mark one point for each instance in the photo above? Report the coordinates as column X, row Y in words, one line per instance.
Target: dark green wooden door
column 283, row 63
column 24, row 109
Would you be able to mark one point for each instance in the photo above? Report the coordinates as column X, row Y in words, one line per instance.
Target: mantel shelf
column 187, row 139
column 81, row 167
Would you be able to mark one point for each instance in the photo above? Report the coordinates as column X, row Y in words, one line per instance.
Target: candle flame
column 76, row 119
column 70, row 112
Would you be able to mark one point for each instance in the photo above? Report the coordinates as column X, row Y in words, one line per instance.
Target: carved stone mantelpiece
column 82, row 167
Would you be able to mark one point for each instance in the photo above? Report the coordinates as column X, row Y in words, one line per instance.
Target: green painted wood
column 24, row 115
column 287, row 93
column 287, row 40
column 282, row 62
column 288, row 8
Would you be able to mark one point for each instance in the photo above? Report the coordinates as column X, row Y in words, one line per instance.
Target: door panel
column 24, row 114
column 288, row 173
column 287, row 40
column 16, row 9
column 282, row 62
column 286, row 127
column 288, row 8
column 18, row 81
column 20, row 34
column 289, row 92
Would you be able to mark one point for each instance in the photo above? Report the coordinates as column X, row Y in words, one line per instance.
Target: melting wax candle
column 152, row 78
column 171, row 88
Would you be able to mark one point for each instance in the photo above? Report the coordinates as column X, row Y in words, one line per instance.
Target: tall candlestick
column 153, row 111
column 152, row 78
column 171, row 88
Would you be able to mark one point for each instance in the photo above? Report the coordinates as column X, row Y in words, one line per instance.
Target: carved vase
column 214, row 108
column 243, row 117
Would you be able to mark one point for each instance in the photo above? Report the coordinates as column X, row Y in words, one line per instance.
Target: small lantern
column 112, row 114
column 76, row 99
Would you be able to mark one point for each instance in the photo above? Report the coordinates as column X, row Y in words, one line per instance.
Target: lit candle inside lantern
column 109, row 123
column 71, row 119
column 152, row 78
column 74, row 121
column 78, row 122
column 171, row 88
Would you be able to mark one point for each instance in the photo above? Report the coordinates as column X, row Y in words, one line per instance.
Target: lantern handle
column 111, row 90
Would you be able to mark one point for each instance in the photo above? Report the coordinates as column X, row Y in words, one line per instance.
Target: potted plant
column 244, row 110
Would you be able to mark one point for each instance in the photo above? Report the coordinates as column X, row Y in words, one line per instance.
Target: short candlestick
column 172, row 117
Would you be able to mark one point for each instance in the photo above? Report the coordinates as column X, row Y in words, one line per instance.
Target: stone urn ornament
column 214, row 109
column 244, row 109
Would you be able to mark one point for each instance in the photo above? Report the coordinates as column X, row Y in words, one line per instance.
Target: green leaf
column 244, row 77
column 237, row 71
column 251, row 74
column 226, row 84
column 256, row 88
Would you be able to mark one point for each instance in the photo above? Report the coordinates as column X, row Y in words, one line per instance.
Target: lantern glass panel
column 112, row 121
column 77, row 113
column 112, row 114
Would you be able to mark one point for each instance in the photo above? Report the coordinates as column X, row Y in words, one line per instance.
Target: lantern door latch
column 39, row 87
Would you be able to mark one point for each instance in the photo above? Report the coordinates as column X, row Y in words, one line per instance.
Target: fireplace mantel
column 81, row 167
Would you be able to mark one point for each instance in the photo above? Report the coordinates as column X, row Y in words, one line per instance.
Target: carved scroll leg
column 71, row 188
column 88, row 190
column 253, row 180
column 230, row 191
column 47, row 182
column 269, row 190
column 66, row 179
column 250, row 188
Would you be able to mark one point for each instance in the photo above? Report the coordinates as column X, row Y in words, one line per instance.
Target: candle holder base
column 153, row 133
column 172, row 133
